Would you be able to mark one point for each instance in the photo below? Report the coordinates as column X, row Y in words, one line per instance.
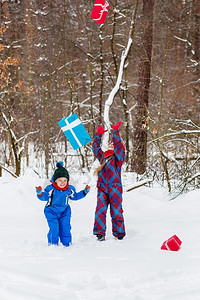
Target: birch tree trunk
column 116, row 88
column 139, row 157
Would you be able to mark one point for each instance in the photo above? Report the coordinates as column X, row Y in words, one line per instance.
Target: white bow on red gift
column 100, row 11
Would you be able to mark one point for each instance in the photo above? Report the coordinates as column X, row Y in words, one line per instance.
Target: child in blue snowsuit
column 57, row 210
column 109, row 186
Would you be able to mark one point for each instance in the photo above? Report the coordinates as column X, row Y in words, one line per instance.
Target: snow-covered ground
column 135, row 268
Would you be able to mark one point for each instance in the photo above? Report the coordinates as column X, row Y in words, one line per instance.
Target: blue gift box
column 74, row 131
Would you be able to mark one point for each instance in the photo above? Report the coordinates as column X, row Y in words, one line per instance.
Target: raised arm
column 43, row 196
column 78, row 195
column 119, row 148
column 96, row 146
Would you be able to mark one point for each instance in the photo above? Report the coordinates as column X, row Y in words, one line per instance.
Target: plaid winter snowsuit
column 109, row 187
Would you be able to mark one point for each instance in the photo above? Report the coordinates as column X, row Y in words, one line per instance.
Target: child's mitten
column 86, row 189
column 101, row 130
column 116, row 127
column 39, row 190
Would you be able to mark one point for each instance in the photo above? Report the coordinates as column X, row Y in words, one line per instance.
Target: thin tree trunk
column 6, row 9
column 138, row 163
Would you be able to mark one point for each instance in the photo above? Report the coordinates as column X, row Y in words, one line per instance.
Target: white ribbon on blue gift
column 74, row 131
column 70, row 126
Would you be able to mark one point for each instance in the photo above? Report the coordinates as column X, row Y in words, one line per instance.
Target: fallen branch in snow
column 7, row 170
column 181, row 188
column 139, row 184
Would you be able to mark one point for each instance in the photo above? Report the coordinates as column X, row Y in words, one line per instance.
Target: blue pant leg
column 52, row 220
column 65, row 227
column 100, row 213
column 116, row 211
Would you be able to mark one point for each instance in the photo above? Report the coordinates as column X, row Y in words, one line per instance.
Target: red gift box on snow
column 173, row 244
column 100, row 11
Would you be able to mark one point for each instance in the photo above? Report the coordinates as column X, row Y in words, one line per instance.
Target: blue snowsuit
column 58, row 212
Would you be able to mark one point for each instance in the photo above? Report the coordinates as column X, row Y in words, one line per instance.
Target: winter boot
column 100, row 237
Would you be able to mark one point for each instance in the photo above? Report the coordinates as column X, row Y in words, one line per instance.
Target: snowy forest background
column 55, row 61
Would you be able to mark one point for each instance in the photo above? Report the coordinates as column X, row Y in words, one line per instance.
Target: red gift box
column 100, row 11
column 173, row 244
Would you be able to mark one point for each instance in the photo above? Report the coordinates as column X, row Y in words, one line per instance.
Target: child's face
column 111, row 146
column 61, row 182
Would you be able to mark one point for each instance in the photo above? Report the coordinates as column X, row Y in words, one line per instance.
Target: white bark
column 114, row 91
column 110, row 99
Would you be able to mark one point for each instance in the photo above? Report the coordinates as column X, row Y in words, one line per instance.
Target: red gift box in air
column 100, row 11
column 173, row 244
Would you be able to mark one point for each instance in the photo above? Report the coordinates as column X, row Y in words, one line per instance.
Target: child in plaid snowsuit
column 109, row 184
